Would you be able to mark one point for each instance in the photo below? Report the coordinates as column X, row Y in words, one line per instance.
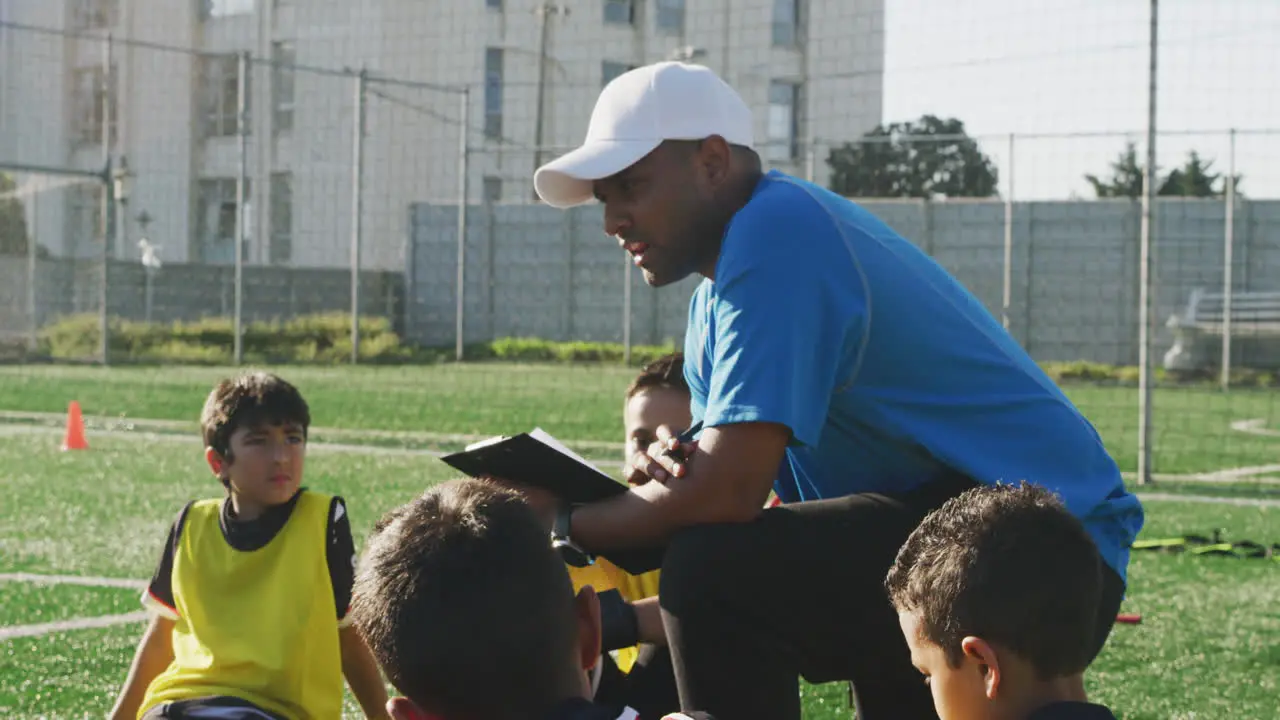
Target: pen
column 687, row 435
column 683, row 438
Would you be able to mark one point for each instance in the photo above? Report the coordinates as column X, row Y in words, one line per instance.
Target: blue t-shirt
column 887, row 371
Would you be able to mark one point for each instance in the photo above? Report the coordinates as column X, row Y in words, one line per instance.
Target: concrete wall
column 535, row 271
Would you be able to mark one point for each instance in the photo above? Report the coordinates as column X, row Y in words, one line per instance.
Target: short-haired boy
column 249, row 602
column 471, row 612
column 998, row 593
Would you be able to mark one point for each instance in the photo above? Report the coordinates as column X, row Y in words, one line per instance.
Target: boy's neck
column 243, row 510
column 1056, row 690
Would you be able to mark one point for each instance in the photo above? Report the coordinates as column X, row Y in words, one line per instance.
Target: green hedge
column 326, row 339
column 321, row 339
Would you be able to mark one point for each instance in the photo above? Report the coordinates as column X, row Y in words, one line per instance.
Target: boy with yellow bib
column 249, row 602
column 637, row 671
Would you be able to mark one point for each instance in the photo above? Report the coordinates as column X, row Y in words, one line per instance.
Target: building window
column 216, row 220
column 610, row 70
column 90, row 93
column 670, row 16
column 283, row 59
column 784, row 121
column 220, row 91
column 281, row 217
column 620, row 12
column 92, row 14
column 492, row 189
column 786, row 22
column 493, row 4
column 224, row 8
column 493, row 62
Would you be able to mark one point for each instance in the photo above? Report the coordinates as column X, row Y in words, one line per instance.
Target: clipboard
column 536, row 458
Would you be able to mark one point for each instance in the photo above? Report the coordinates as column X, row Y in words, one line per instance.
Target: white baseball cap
column 634, row 114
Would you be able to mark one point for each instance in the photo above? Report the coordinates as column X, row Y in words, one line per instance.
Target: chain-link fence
column 272, row 161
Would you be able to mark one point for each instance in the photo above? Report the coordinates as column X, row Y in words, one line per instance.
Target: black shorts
column 220, row 707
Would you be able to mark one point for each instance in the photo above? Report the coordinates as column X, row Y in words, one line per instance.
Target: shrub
column 326, row 339
column 322, row 338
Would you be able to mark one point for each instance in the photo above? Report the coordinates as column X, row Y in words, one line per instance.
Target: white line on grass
column 21, row 631
column 124, row 423
column 319, row 446
column 88, row 581
column 1254, row 426
column 1209, row 499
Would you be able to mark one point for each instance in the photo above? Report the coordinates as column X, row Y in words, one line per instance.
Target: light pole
column 542, row 11
column 117, row 179
column 688, row 53
column 150, row 261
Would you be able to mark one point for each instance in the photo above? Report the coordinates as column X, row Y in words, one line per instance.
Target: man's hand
column 543, row 501
column 726, row 478
column 664, row 459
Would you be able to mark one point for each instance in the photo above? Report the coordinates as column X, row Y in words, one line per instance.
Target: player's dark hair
column 252, row 400
column 466, row 606
column 1008, row 564
column 666, row 372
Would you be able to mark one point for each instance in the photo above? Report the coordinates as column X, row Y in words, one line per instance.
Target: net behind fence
column 271, row 166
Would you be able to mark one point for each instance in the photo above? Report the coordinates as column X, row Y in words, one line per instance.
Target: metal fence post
column 1145, row 264
column 357, row 188
column 108, row 204
column 242, row 135
column 1007, row 280
column 1228, row 251
column 460, row 290
column 627, row 272
column 33, row 237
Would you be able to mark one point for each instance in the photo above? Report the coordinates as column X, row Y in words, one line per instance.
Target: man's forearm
column 726, row 479
column 647, row 515
column 641, row 517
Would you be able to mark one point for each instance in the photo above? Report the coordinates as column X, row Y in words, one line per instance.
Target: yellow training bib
column 257, row 625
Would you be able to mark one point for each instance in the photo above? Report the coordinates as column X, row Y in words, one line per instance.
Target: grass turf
column 1204, row 649
column 1192, row 426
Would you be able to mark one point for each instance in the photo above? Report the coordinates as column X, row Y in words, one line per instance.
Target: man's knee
column 699, row 560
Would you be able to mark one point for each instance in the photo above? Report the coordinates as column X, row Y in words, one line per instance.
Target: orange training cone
column 75, row 429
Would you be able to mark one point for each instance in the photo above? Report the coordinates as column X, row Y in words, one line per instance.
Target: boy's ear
column 981, row 653
column 401, row 708
column 587, row 608
column 217, row 463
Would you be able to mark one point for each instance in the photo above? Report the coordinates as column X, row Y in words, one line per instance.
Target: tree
column 13, row 219
column 1193, row 179
column 1126, row 176
column 897, row 160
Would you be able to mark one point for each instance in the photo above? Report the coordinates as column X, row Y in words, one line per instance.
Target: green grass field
column 1207, row 647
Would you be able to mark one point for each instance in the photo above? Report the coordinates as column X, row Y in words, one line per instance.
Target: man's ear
column 714, row 158
column 217, row 463
column 401, row 708
column 981, row 653
column 587, row 607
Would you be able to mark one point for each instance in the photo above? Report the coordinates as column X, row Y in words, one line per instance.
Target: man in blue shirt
column 830, row 359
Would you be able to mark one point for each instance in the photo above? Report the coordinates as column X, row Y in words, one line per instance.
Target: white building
column 811, row 68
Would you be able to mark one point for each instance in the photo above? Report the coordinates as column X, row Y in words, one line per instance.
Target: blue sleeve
column 787, row 318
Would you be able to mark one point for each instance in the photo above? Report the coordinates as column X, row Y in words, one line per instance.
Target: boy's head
column 657, row 396
column 255, row 433
column 997, row 592
column 470, row 611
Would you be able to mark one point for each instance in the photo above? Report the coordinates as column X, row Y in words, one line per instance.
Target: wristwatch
column 572, row 553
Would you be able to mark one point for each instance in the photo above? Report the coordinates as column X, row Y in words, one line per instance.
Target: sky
column 1081, row 66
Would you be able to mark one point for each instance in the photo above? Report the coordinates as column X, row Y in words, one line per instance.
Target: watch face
column 572, row 554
